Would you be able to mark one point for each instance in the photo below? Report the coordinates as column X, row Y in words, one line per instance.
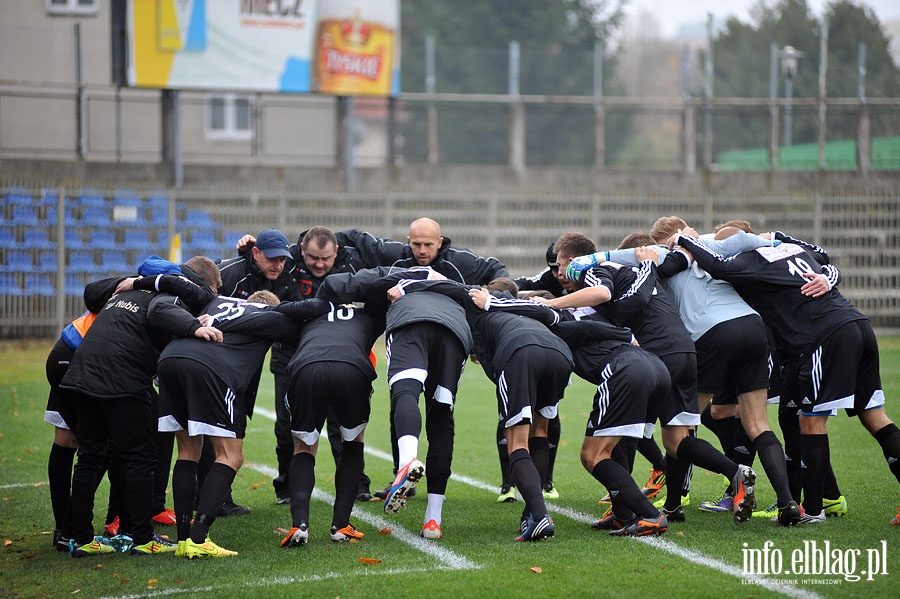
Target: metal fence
column 45, row 260
column 103, row 124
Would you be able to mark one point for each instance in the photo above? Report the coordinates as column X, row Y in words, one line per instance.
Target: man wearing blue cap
column 263, row 266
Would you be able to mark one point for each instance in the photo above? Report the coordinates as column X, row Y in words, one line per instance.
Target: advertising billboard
column 340, row 47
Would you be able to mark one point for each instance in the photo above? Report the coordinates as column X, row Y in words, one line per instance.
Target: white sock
column 435, row 507
column 409, row 448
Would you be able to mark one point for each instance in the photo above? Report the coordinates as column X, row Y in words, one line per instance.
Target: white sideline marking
column 264, row 412
column 451, row 560
column 698, row 558
column 704, row 560
column 16, row 485
column 690, row 555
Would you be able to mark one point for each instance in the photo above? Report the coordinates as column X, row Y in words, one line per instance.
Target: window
column 230, row 116
column 72, row 7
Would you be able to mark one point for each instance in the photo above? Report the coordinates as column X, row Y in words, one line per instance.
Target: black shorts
column 725, row 396
column 631, row 382
column 60, row 411
column 789, row 397
column 430, row 354
column 733, row 354
column 193, row 398
column 775, row 378
column 317, row 386
column 533, row 380
column 680, row 405
column 843, row 372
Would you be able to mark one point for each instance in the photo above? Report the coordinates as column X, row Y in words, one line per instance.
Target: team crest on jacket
column 779, row 252
column 306, row 287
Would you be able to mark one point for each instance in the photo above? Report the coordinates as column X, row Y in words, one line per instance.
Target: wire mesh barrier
column 44, row 263
column 524, row 131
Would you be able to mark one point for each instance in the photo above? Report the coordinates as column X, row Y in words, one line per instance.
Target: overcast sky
column 671, row 14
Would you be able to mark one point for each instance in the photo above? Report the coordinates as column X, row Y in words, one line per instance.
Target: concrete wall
column 152, row 175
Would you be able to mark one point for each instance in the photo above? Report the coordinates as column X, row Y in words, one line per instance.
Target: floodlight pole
column 708, row 97
column 773, row 106
column 863, row 132
column 689, row 131
column 599, row 110
column 823, row 89
column 516, row 112
column 788, row 111
column 789, row 56
column 431, row 130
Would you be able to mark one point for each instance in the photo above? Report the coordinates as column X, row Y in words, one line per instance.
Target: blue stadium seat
column 38, row 239
column 24, row 215
column 49, row 197
column 17, row 196
column 46, row 262
column 71, row 217
column 91, row 198
column 7, row 238
column 158, row 199
column 95, row 217
column 114, row 263
column 231, row 240
column 127, row 197
column 103, row 239
column 159, row 217
column 203, row 243
column 74, row 284
column 82, row 262
column 18, row 261
column 39, row 284
column 9, row 285
column 137, row 239
column 73, row 239
column 198, row 219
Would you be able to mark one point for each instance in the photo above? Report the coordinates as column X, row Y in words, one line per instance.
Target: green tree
column 471, row 55
column 849, row 25
column 741, row 55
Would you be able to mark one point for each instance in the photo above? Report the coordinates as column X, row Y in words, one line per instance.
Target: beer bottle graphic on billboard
column 354, row 47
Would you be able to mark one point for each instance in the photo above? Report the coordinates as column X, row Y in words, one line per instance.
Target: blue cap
column 273, row 244
column 154, row 265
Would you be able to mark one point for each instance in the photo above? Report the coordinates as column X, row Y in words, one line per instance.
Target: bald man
column 424, row 246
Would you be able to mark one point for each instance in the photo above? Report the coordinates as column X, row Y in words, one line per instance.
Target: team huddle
column 671, row 327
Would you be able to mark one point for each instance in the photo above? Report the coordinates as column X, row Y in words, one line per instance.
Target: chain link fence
column 45, row 260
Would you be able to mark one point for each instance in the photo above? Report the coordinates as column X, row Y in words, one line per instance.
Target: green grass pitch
column 704, row 557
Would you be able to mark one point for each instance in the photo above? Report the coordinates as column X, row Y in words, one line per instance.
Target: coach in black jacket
column 425, row 246
column 315, row 256
column 264, row 263
column 263, row 266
